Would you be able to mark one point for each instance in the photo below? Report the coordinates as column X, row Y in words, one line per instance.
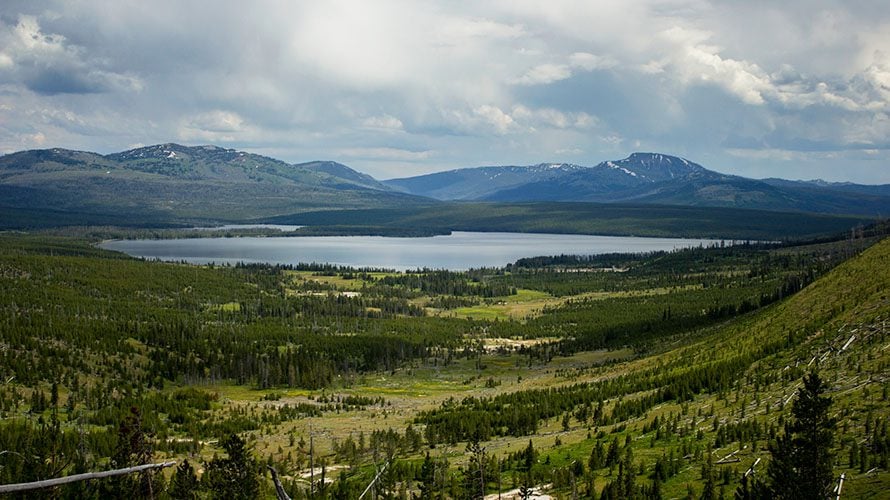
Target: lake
column 458, row 251
column 227, row 227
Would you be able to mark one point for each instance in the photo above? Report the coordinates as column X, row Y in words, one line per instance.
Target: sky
column 798, row 89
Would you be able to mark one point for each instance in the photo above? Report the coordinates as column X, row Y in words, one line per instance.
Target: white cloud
column 216, row 126
column 217, row 121
column 547, row 73
column 6, row 61
column 569, row 151
column 544, row 74
column 519, row 119
column 455, row 29
column 383, row 153
column 549, row 117
column 383, row 122
column 590, row 62
column 877, row 75
column 695, row 62
column 501, row 122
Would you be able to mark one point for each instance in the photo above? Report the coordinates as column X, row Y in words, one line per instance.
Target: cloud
column 480, row 82
column 491, row 115
column 544, row 74
column 6, row 61
column 457, row 29
column 590, row 62
column 48, row 64
column 216, row 126
column 217, row 121
column 489, row 119
column 695, row 62
column 384, row 153
column 549, row 117
column 547, row 73
column 383, row 122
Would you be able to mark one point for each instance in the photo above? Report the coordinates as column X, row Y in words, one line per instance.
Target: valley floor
column 671, row 380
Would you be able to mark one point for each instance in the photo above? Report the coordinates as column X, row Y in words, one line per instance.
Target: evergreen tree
column 474, row 474
column 597, row 458
column 627, row 475
column 801, row 465
column 427, row 478
column 709, row 491
column 529, row 457
column 184, row 483
column 234, row 477
column 614, row 454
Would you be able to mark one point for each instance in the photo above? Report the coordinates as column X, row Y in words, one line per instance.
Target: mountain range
column 649, row 178
column 170, row 183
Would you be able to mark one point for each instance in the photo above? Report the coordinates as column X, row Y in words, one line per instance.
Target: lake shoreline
column 457, row 251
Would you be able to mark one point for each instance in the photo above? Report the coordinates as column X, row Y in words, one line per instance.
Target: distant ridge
column 172, row 182
column 651, row 178
column 344, row 173
column 478, row 183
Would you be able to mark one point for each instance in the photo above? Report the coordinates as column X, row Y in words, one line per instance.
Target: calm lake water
column 277, row 227
column 458, row 251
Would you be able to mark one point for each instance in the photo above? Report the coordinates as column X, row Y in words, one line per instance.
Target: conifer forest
column 755, row 370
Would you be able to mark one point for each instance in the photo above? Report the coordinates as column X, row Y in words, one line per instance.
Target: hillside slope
column 203, row 352
column 479, row 183
column 616, row 219
column 170, row 182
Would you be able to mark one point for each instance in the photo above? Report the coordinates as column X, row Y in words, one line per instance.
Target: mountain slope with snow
column 171, row 182
column 646, row 178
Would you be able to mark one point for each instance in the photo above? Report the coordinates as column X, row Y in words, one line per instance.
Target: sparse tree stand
column 801, row 464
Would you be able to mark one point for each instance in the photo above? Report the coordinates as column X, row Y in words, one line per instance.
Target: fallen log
column 49, row 483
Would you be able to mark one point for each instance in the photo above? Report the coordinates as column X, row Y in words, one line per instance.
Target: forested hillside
column 170, row 184
column 618, row 376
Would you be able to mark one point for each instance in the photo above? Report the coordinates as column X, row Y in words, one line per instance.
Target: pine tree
column 801, row 465
column 235, row 476
column 529, row 457
column 709, row 491
column 184, row 483
column 597, row 458
column 427, row 478
column 474, row 475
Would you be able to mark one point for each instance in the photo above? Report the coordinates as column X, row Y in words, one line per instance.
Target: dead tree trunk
column 49, row 483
